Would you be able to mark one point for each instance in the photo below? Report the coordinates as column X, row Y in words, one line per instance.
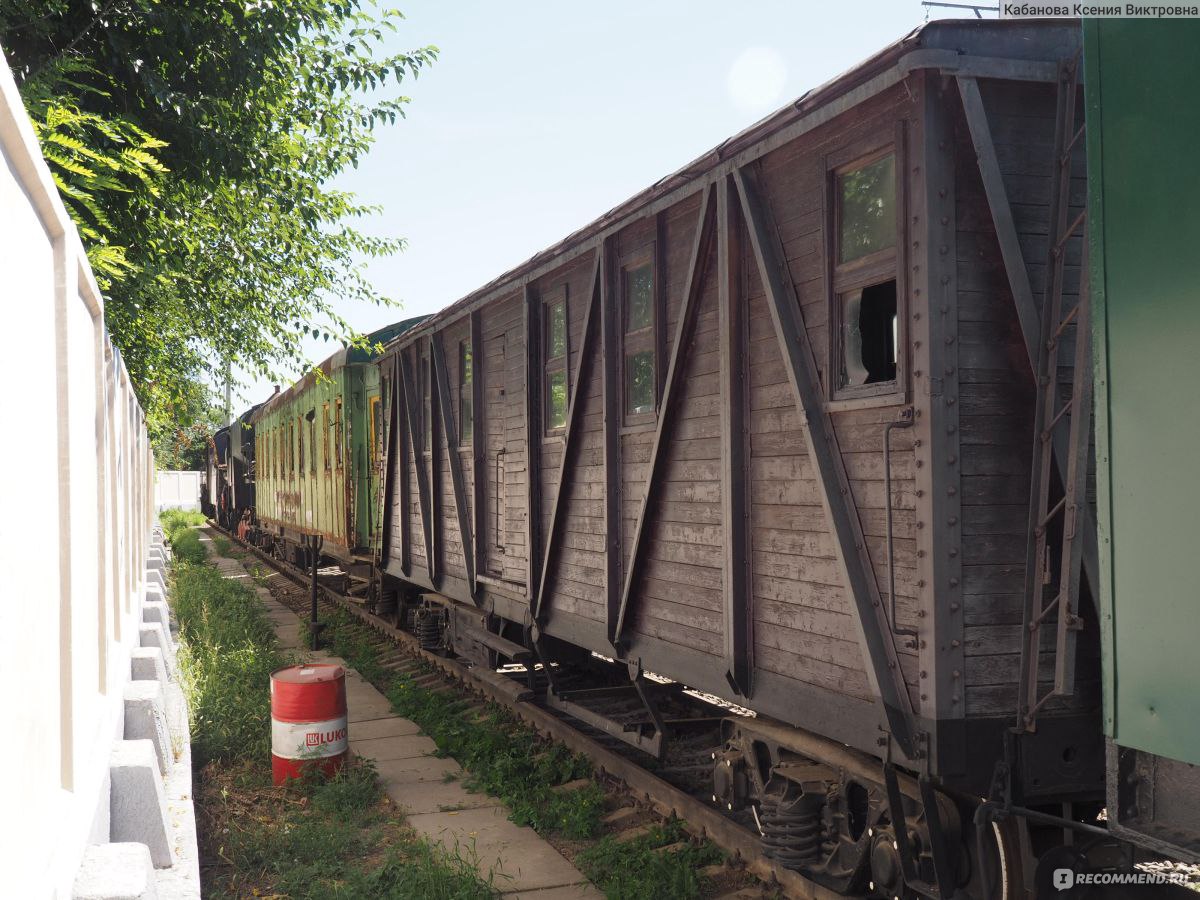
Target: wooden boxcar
column 316, row 458
column 767, row 429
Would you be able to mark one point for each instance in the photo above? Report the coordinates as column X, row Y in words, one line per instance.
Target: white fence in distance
column 174, row 488
column 76, row 508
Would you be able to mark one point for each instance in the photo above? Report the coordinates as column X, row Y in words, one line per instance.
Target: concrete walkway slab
column 423, row 797
column 517, row 857
column 381, row 749
column 428, row 788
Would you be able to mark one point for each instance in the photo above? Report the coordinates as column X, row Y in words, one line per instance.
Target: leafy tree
column 194, row 144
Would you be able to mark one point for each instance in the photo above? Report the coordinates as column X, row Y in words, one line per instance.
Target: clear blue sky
column 540, row 116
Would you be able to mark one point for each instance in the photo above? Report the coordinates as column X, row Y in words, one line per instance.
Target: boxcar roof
column 1009, row 48
column 345, row 356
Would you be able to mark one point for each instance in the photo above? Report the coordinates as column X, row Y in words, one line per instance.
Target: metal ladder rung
column 1054, row 511
column 1070, row 232
column 1071, row 145
column 1062, row 326
column 1058, row 415
column 1046, row 610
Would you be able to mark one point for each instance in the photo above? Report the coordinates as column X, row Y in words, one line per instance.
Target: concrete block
column 154, row 635
column 155, row 611
column 115, row 872
column 138, row 806
column 147, row 664
column 153, row 576
column 155, row 563
column 146, row 719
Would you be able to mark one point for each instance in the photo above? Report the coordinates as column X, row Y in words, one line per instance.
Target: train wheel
column 996, row 864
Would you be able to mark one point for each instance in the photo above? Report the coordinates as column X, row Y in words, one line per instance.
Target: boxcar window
column 865, row 337
column 555, row 355
column 639, row 344
column 325, row 435
column 867, row 209
column 300, row 448
column 291, row 449
column 466, row 411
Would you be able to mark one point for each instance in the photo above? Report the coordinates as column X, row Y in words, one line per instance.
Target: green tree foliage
column 194, row 144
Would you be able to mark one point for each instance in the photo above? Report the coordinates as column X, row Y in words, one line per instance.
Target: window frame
column 866, row 271
column 325, row 435
column 300, row 446
column 553, row 365
column 375, row 429
column 645, row 339
column 339, row 442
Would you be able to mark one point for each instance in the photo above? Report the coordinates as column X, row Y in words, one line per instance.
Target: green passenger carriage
column 317, row 458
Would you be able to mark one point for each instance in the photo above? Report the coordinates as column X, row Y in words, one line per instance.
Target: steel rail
column 667, row 800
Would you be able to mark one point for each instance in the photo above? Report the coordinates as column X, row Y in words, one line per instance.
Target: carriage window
column 866, row 327
column 466, row 384
column 556, row 353
column 638, row 291
column 867, row 209
column 300, row 448
column 325, row 435
column 312, row 440
column 291, row 449
column 376, row 428
column 337, row 431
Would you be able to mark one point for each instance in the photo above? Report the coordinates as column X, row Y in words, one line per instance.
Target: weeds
column 340, row 837
column 318, row 838
column 641, row 870
column 226, row 655
column 178, row 526
column 221, row 544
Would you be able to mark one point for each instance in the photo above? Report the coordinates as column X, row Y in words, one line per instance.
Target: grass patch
column 318, row 839
column 179, row 528
column 226, row 656
column 640, row 870
column 221, row 545
column 314, row 838
column 502, row 756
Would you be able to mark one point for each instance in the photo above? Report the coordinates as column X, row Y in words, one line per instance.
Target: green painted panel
column 1144, row 194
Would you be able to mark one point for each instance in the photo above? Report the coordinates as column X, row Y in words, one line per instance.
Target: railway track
column 676, row 787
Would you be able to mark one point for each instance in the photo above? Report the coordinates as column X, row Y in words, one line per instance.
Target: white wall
column 75, row 514
column 173, row 488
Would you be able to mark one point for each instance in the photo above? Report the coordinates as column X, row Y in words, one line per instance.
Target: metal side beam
column 733, row 328
column 610, row 319
column 875, row 635
column 412, row 425
column 390, row 457
column 701, row 248
column 458, row 482
column 533, row 443
column 582, row 374
column 1022, row 293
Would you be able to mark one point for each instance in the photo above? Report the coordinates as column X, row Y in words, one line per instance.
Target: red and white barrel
column 308, row 720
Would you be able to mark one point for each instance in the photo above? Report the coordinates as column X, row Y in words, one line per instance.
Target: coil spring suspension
column 791, row 827
column 428, row 625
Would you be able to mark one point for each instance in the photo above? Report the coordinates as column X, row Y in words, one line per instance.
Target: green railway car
column 317, row 458
column 1143, row 131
